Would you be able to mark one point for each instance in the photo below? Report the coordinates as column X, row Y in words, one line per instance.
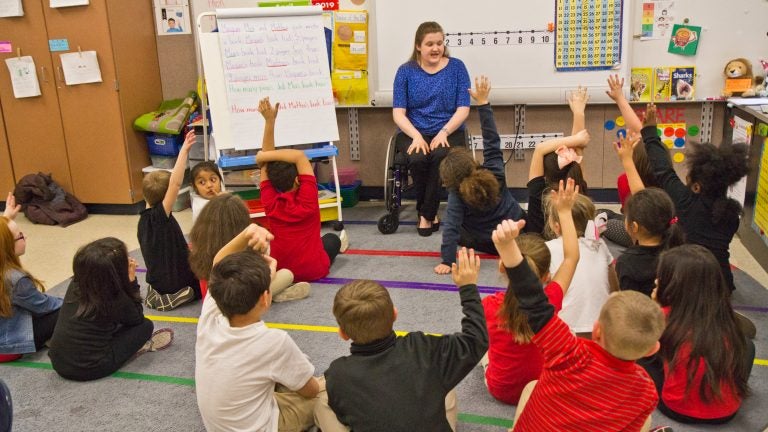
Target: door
column 7, row 182
column 33, row 125
column 93, row 125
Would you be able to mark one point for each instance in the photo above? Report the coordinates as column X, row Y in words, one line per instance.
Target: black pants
column 125, row 343
column 654, row 365
column 425, row 170
column 332, row 245
column 42, row 328
column 469, row 241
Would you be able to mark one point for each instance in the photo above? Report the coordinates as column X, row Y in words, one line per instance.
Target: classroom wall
column 179, row 75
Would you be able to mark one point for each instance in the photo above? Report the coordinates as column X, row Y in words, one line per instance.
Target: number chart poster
column 588, row 34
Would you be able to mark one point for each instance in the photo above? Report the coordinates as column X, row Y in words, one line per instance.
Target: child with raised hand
column 478, row 196
column 557, row 159
column 101, row 324
column 513, row 361
column 400, row 383
column 170, row 281
column 649, row 218
column 221, row 221
column 701, row 370
column 241, row 365
column 594, row 277
column 289, row 195
column 585, row 385
column 706, row 214
column 27, row 315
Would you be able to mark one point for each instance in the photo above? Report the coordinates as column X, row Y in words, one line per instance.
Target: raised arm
column 579, row 139
column 253, row 236
column 577, row 100
column 658, row 157
column 297, row 157
column 523, row 282
column 493, row 159
column 563, row 201
column 269, row 113
column 615, row 84
column 177, row 175
column 460, row 352
column 625, row 147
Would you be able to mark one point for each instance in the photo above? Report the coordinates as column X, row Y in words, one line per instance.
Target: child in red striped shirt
column 585, row 385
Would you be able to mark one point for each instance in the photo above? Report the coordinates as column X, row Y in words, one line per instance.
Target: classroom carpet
column 156, row 392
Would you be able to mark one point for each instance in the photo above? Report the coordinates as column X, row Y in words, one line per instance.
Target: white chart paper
column 23, row 76
column 11, row 8
column 81, row 68
column 68, row 3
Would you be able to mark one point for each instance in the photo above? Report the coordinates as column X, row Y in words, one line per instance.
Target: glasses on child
column 21, row 236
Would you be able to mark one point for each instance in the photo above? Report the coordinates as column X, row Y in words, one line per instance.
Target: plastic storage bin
column 164, row 144
column 350, row 195
column 347, row 176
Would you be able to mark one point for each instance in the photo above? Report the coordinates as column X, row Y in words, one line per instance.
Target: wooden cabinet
column 83, row 133
column 6, row 169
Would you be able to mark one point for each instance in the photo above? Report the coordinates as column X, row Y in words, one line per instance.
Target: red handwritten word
column 665, row 115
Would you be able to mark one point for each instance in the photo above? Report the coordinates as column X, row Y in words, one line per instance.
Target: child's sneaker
column 344, row 241
column 296, row 291
column 166, row 302
column 160, row 340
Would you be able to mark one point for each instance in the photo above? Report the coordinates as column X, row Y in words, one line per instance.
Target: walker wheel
column 338, row 226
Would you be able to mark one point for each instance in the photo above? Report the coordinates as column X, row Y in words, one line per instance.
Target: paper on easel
column 68, row 3
column 80, row 68
column 11, row 8
column 23, row 77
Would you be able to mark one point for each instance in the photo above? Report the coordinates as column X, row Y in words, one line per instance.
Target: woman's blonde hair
column 9, row 261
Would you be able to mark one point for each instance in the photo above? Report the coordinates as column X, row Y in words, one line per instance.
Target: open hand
column 11, row 208
column 418, row 145
column 564, row 197
column 465, row 271
column 189, row 140
column 482, row 89
column 440, row 140
column 268, row 111
column 578, row 99
column 615, row 85
column 650, row 115
column 625, row 146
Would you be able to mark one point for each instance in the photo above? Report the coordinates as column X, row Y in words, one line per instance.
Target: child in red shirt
column 289, row 195
column 512, row 360
column 701, row 371
column 585, row 385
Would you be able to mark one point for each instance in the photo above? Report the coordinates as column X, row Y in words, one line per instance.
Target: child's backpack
column 45, row 202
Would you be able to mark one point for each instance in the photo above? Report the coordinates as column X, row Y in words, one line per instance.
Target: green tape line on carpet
column 190, row 382
column 119, row 374
column 490, row 421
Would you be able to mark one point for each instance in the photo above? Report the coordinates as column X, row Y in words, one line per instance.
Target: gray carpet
column 156, row 391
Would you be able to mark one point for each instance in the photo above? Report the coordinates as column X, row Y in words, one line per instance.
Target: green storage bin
column 350, row 194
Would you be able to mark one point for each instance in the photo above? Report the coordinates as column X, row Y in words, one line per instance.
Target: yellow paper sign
column 738, row 84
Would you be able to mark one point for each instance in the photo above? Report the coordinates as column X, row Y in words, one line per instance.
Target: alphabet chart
column 588, row 34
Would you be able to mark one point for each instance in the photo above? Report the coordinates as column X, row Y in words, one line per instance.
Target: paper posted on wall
column 81, row 68
column 11, row 8
column 68, row 3
column 23, row 77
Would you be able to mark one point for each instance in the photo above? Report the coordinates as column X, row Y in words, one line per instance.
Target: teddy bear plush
column 739, row 68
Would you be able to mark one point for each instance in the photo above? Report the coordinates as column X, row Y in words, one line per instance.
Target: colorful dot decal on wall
column 669, row 143
column 693, row 130
column 679, row 142
column 678, row 157
column 621, row 133
column 669, row 131
column 680, row 132
column 609, row 125
column 620, row 121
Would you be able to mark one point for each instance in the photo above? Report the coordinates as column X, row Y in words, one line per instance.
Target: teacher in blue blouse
column 431, row 103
